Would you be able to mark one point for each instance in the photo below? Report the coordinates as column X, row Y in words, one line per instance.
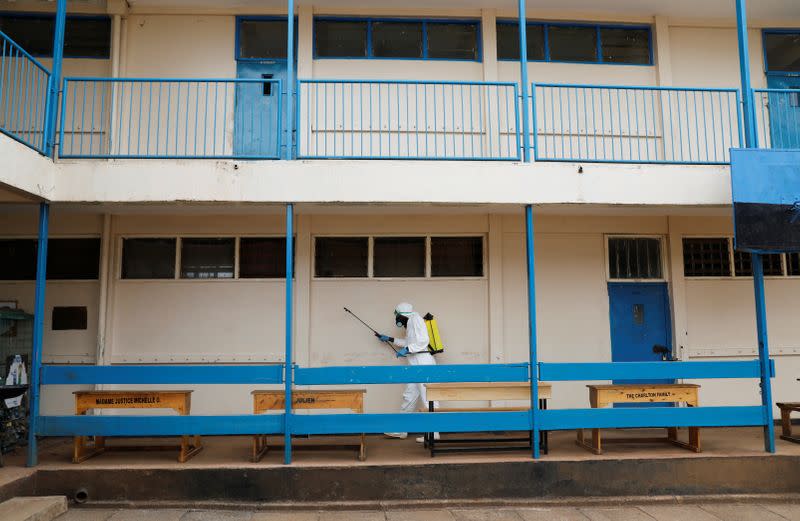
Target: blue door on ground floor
column 640, row 321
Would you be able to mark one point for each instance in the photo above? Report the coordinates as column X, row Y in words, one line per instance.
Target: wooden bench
column 484, row 391
column 604, row 395
column 787, row 408
column 179, row 401
column 352, row 399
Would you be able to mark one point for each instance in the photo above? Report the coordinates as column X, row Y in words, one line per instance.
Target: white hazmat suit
column 416, row 341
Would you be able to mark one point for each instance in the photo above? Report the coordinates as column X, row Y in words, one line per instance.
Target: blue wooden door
column 257, row 113
column 784, row 110
column 640, row 319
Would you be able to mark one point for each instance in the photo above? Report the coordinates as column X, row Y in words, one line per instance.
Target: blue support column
column 290, row 81
column 38, row 331
column 763, row 351
column 523, row 74
column 534, row 367
column 751, row 141
column 54, row 83
column 287, row 436
column 748, row 108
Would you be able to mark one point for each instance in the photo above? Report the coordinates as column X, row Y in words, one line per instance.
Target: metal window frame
column 53, row 238
column 663, row 257
column 598, row 27
column 428, row 251
column 732, row 261
column 46, row 16
column 424, row 21
column 764, row 34
column 260, row 18
column 178, row 243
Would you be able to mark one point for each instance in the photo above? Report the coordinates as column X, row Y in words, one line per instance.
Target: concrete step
column 42, row 508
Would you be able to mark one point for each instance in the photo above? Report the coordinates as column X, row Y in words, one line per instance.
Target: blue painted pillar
column 751, row 141
column 290, row 81
column 763, row 351
column 534, row 368
column 287, row 436
column 523, row 75
column 748, row 108
column 38, row 331
column 54, row 84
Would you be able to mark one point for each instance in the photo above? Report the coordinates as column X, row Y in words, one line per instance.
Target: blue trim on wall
column 599, row 27
column 423, row 21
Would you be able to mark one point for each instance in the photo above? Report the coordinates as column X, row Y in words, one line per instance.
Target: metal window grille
column 743, row 265
column 793, row 264
column 706, row 257
column 634, row 258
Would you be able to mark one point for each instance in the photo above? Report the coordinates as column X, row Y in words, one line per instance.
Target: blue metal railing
column 171, row 118
column 306, row 424
column 777, row 117
column 728, row 416
column 620, row 124
column 371, row 119
column 159, row 375
column 23, row 95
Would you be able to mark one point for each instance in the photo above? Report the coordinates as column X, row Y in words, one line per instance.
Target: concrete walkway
column 700, row 512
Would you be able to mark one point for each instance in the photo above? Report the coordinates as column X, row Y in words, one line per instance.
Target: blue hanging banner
column 766, row 200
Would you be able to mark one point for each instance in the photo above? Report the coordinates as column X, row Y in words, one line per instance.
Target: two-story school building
column 406, row 139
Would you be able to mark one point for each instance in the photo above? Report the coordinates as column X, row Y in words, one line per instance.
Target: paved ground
column 701, row 512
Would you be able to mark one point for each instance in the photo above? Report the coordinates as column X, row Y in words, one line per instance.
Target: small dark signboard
column 766, row 200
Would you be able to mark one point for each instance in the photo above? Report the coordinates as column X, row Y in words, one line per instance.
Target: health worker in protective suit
column 414, row 348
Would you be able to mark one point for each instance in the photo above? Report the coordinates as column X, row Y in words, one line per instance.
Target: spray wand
column 371, row 329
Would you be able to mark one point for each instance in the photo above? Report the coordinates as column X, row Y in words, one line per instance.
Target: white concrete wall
column 59, row 347
column 482, row 320
column 720, row 323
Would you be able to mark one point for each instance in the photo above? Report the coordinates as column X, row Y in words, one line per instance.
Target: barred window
column 634, row 258
column 793, row 264
column 706, row 257
column 743, row 264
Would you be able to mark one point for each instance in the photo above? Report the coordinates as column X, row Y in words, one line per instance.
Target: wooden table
column 604, row 395
column 352, row 399
column 179, row 401
column 484, row 391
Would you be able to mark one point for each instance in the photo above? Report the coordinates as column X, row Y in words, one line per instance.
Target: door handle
column 664, row 351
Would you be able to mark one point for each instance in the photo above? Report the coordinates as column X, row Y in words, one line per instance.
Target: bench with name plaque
column 179, row 401
column 351, row 399
column 604, row 395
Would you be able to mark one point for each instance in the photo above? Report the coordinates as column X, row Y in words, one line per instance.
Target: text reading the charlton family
column 635, row 396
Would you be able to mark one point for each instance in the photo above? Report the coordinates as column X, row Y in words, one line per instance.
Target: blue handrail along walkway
column 171, row 118
column 627, row 124
column 375, row 119
column 23, row 95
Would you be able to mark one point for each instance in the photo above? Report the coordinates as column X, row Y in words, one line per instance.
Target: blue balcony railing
column 366, row 119
column 778, row 118
column 23, row 95
column 171, row 118
column 619, row 124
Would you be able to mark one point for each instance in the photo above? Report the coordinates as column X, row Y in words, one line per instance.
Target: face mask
column 401, row 320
